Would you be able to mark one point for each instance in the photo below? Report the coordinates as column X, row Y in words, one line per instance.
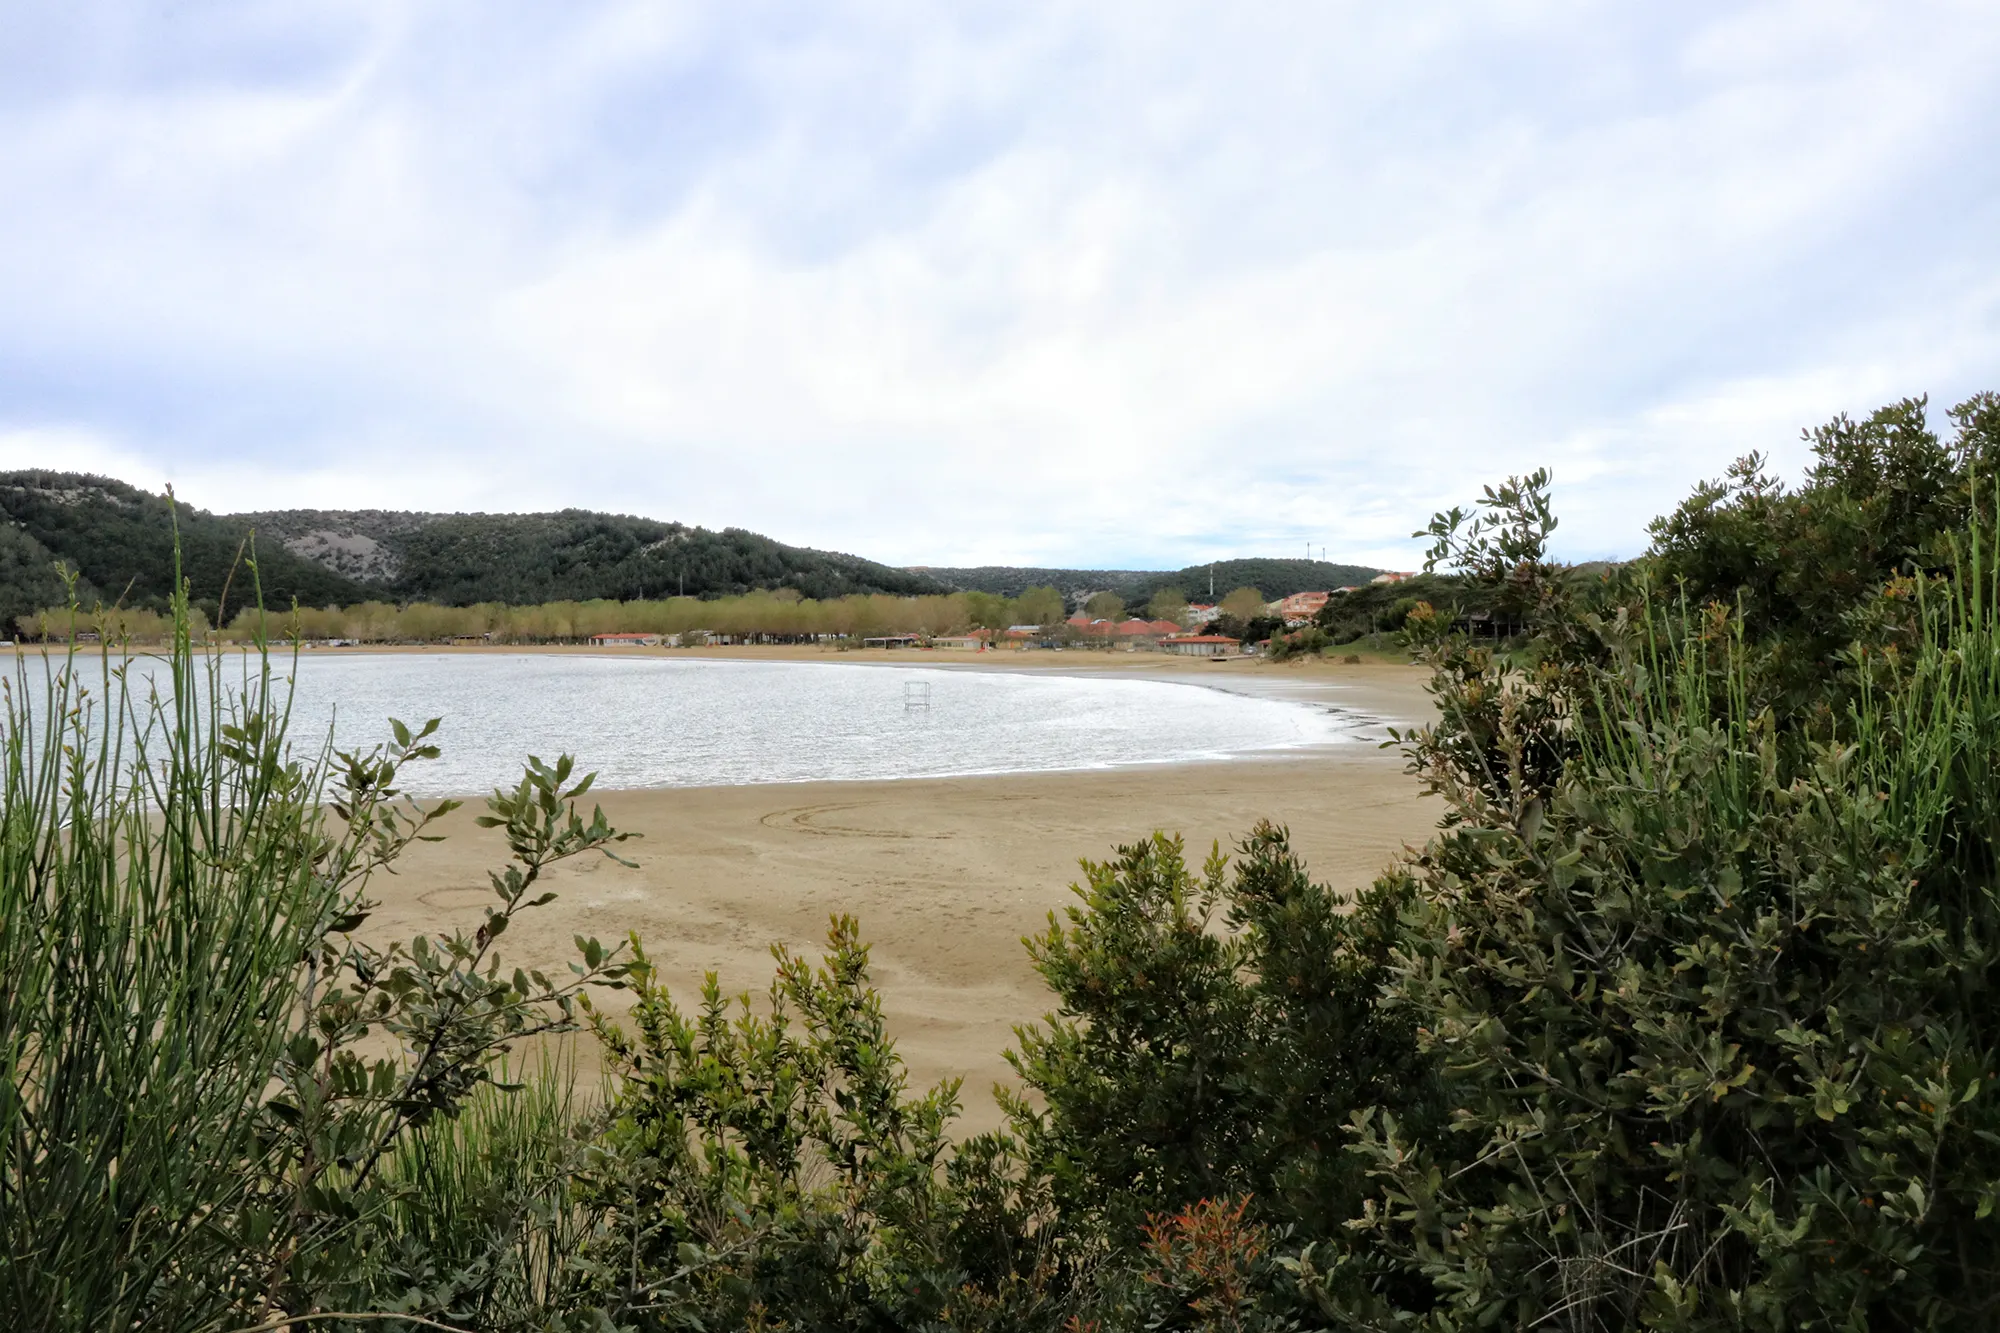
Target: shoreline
column 1376, row 694
column 946, row 875
column 1366, row 698
column 1367, row 701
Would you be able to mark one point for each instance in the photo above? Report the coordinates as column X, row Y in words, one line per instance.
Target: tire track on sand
column 812, row 819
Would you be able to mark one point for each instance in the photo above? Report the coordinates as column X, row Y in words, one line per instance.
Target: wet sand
column 945, row 875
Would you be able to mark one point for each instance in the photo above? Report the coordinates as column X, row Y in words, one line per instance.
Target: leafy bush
column 1806, row 569
column 1706, row 957
column 190, row 1134
column 483, row 1221
column 768, row 1170
column 1255, row 629
column 1214, row 1036
column 1302, row 642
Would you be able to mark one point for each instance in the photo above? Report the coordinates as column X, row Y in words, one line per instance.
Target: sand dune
column 946, row 876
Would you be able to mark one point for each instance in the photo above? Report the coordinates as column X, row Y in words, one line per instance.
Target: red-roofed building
column 1201, row 645
column 1302, row 606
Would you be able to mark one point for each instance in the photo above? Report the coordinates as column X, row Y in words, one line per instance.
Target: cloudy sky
column 1095, row 283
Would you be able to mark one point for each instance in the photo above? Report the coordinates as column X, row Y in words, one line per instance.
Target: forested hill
column 459, row 559
column 119, row 541
column 1273, row 578
column 1013, row 580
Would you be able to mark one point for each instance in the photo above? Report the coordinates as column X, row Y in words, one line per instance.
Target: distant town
column 1184, row 635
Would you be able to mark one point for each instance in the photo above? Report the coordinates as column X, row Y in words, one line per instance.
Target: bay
column 662, row 722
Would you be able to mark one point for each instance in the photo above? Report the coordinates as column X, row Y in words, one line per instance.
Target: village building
column 1132, row 634
column 1201, row 645
column 1135, row 632
column 1014, row 636
column 1301, row 606
column 625, row 640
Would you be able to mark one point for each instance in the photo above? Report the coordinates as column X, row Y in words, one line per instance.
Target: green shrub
column 1708, row 961
column 482, row 1221
column 769, row 1170
column 166, row 868
column 1215, row 1034
column 191, row 1136
column 1302, row 642
column 1806, row 568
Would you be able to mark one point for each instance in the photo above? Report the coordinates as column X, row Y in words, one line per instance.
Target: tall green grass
column 484, row 1207
column 163, row 874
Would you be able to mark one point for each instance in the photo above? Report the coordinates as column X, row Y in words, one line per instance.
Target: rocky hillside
column 117, row 542
column 574, row 555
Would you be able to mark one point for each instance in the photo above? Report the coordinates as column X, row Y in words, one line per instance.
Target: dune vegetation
column 1684, row 1018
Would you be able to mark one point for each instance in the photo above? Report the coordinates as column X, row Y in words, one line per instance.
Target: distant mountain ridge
column 118, row 542
column 1273, row 578
column 570, row 555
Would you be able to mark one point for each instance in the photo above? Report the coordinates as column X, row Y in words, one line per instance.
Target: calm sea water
column 654, row 722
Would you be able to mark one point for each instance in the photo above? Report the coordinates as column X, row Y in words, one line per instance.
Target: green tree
column 1244, row 604
column 1105, row 606
column 1167, row 604
column 1040, row 606
column 989, row 612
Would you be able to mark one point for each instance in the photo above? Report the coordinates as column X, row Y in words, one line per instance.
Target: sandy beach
column 945, row 875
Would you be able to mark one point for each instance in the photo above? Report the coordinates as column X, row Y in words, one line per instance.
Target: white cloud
column 72, row 449
column 1113, row 284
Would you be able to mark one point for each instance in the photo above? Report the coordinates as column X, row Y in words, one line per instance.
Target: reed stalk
column 161, row 879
